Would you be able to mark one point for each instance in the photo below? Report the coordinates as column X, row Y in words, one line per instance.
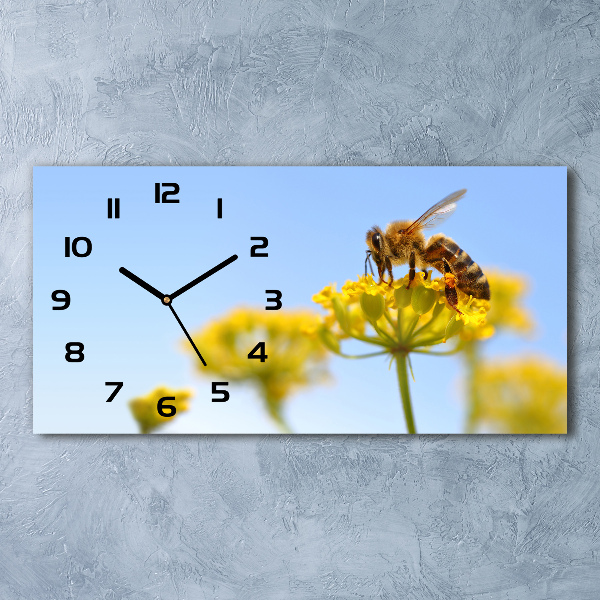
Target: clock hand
column 187, row 334
column 166, row 300
column 141, row 283
column 202, row 277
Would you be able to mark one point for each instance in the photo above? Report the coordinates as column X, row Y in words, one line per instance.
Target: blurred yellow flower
column 295, row 355
column 507, row 311
column 523, row 395
column 145, row 409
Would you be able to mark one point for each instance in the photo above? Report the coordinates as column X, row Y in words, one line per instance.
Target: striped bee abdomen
column 470, row 279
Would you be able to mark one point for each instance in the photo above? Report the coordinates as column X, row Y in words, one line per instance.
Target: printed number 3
column 276, row 300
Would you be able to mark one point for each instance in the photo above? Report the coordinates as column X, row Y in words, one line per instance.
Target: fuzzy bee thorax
column 401, row 245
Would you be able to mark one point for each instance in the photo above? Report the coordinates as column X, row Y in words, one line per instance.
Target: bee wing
column 438, row 212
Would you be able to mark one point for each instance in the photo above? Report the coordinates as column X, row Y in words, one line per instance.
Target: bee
column 403, row 242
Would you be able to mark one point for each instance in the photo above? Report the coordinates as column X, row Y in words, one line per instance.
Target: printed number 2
column 264, row 244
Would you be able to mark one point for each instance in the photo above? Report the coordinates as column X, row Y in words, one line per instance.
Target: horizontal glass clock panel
column 275, row 300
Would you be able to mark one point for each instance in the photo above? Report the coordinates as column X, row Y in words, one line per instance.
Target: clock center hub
column 166, row 300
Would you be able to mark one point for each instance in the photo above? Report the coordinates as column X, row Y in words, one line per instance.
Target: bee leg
column 425, row 274
column 368, row 260
column 450, row 288
column 380, row 271
column 388, row 266
column 411, row 273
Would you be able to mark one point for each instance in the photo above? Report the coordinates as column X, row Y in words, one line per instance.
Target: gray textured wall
column 303, row 83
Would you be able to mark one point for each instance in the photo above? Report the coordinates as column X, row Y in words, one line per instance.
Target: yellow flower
column 294, row 354
column 522, row 395
column 145, row 409
column 397, row 320
column 403, row 320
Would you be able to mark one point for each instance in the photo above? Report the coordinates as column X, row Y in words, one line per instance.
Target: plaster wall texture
column 244, row 82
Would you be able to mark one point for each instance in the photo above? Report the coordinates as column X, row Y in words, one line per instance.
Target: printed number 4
column 260, row 349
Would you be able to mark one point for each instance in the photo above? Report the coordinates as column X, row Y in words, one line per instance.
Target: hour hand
column 204, row 276
column 142, row 283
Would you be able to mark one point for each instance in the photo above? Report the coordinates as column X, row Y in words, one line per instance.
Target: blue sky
column 512, row 218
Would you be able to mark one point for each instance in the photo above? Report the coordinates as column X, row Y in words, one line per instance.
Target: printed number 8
column 74, row 349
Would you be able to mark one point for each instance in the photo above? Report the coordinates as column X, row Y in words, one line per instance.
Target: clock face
column 129, row 262
column 180, row 299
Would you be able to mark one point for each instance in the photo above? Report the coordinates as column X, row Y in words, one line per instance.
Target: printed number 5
column 217, row 391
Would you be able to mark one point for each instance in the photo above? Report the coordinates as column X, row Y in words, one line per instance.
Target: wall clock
column 132, row 263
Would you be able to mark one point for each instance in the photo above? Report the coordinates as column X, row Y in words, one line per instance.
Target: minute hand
column 202, row 277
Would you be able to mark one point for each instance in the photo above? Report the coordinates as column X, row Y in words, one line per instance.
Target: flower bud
column 373, row 306
column 340, row 313
column 453, row 327
column 423, row 300
column 329, row 340
column 438, row 308
column 402, row 296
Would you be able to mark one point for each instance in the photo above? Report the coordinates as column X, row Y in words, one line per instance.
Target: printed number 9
column 61, row 296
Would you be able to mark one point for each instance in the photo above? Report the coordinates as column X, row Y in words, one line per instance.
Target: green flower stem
column 369, row 339
column 283, row 426
column 424, row 339
column 411, row 327
column 399, row 324
column 472, row 363
column 433, row 319
column 382, row 333
column 447, row 353
column 432, row 340
column 389, row 319
column 401, row 363
column 273, row 410
column 362, row 355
